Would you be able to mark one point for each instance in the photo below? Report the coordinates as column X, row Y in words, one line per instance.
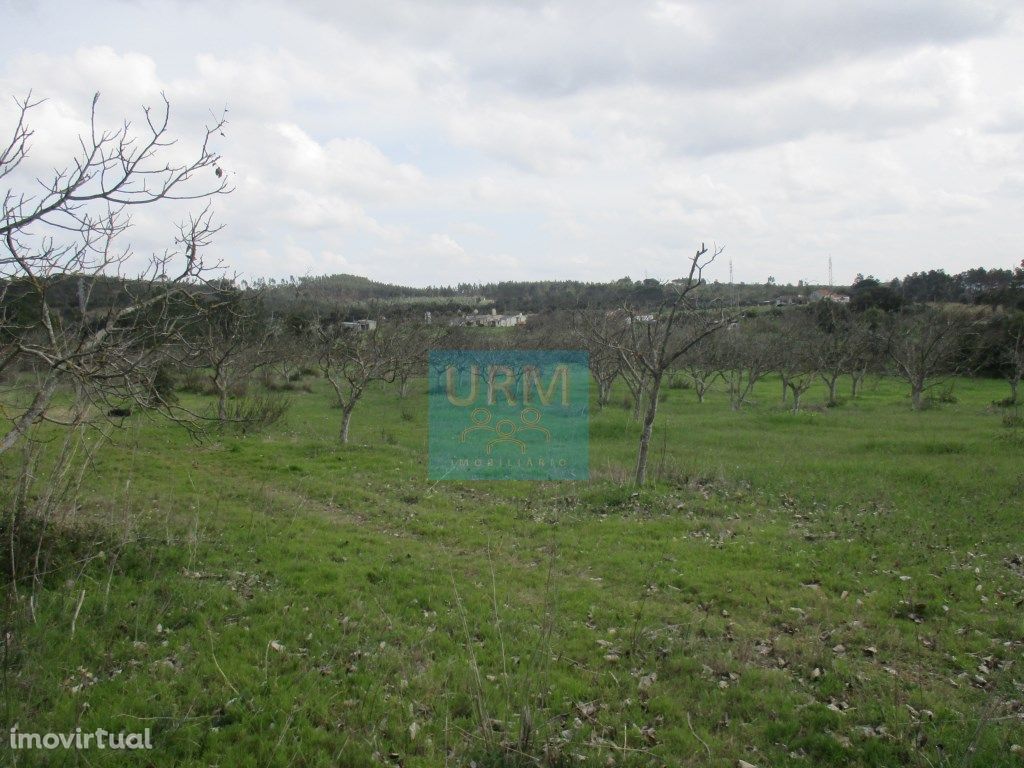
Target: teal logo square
column 509, row 415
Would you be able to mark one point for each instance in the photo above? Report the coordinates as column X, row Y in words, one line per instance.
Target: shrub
column 193, row 381
column 253, row 413
column 163, row 385
column 1013, row 419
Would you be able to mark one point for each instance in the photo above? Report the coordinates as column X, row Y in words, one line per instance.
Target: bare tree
column 234, row 340
column 352, row 359
column 287, row 349
column 748, row 352
column 845, row 346
column 1013, row 355
column 412, row 343
column 700, row 366
column 922, row 345
column 604, row 360
column 638, row 383
column 655, row 340
column 62, row 234
column 836, row 350
column 868, row 354
column 798, row 344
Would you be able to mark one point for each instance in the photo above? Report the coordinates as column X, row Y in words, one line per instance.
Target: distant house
column 826, row 294
column 789, row 299
column 360, row 325
column 492, row 320
column 645, row 319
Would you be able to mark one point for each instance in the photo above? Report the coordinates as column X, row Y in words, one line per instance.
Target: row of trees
column 88, row 327
column 72, row 320
column 681, row 337
column 62, row 241
column 921, row 344
column 825, row 343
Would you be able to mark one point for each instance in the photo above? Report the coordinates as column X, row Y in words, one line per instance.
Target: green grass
column 835, row 587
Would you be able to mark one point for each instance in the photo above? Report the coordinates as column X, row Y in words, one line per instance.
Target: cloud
column 556, row 48
column 563, row 138
column 348, row 164
column 529, row 142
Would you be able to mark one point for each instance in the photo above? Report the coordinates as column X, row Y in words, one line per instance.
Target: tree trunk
column 346, row 419
column 222, row 401
column 403, row 389
column 604, row 393
column 638, row 402
column 1014, row 385
column 832, row 383
column 645, row 434
column 785, row 388
column 858, row 379
column 30, row 416
column 915, row 395
column 748, row 391
column 735, row 400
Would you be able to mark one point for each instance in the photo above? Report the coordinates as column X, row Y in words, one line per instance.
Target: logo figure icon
column 505, row 429
column 481, row 419
column 531, row 421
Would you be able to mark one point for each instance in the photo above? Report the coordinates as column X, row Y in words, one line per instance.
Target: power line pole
column 732, row 285
column 830, row 271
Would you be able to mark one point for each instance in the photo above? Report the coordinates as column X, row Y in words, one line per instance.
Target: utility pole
column 830, row 271
column 732, row 285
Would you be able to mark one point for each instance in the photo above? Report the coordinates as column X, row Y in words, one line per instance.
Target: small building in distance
column 788, row 300
column 360, row 325
column 826, row 294
column 491, row 320
column 646, row 319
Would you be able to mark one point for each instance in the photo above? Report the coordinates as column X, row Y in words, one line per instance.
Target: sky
column 433, row 143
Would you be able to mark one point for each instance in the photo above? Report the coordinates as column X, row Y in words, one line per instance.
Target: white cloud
column 569, row 138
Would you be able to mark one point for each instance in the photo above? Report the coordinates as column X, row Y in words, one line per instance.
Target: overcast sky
column 434, row 143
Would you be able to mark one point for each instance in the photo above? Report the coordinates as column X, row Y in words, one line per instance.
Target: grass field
column 834, row 587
